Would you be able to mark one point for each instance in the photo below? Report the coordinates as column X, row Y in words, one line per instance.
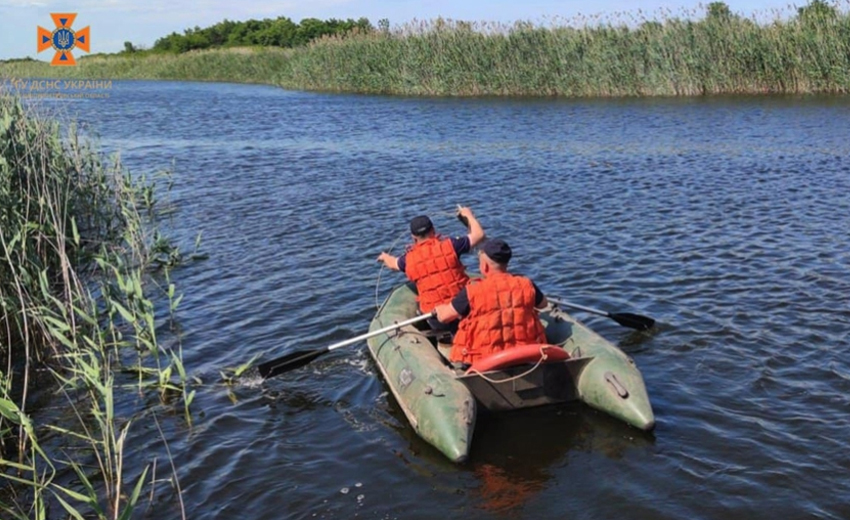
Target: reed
column 241, row 65
column 698, row 52
column 76, row 258
column 621, row 55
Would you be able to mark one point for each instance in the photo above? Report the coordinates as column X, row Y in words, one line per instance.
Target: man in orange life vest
column 497, row 312
column 433, row 262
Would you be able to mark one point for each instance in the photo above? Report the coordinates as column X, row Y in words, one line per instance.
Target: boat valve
column 612, row 380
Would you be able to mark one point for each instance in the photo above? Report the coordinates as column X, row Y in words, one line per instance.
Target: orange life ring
column 519, row 355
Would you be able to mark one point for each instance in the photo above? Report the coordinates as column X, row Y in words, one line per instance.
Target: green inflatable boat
column 441, row 402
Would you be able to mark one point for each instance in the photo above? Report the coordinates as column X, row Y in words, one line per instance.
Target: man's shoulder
column 461, row 244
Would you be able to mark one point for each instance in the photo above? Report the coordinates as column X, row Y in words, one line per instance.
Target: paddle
column 300, row 358
column 626, row 319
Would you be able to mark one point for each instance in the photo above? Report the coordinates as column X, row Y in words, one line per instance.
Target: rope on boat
column 381, row 270
column 543, row 357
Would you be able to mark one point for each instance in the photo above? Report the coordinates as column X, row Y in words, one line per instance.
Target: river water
column 725, row 219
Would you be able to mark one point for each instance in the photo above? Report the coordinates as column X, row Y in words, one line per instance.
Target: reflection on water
column 540, row 440
column 503, row 489
column 722, row 218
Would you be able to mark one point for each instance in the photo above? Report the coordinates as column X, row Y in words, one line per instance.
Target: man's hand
column 476, row 232
column 464, row 213
column 446, row 313
column 388, row 260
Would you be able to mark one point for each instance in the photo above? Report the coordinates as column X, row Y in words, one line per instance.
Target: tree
column 817, row 10
column 719, row 11
column 281, row 32
column 171, row 43
column 310, row 29
column 365, row 25
column 128, row 47
column 238, row 36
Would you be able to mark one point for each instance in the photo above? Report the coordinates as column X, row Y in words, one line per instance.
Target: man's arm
column 476, row 232
column 540, row 300
column 543, row 303
column 446, row 313
column 457, row 308
column 389, row 260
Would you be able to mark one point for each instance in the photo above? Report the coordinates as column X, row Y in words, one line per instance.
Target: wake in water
column 250, row 378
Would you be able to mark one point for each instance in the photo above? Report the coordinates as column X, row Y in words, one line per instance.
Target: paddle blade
column 289, row 362
column 634, row 321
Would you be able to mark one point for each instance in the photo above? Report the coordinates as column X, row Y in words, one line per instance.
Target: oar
column 300, row 358
column 626, row 319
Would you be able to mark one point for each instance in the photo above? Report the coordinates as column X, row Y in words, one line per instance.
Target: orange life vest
column 502, row 315
column 437, row 271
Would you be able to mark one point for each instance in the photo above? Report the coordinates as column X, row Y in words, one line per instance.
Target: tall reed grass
column 633, row 55
column 240, row 65
column 77, row 245
column 706, row 51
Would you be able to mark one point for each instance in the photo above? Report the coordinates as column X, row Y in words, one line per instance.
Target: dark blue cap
column 421, row 225
column 497, row 250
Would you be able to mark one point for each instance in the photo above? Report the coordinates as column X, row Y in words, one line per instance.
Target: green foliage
column 817, row 10
column 723, row 53
column 719, row 11
column 277, row 32
column 76, row 257
column 281, row 33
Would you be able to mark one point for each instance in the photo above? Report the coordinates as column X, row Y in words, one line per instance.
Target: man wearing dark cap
column 497, row 312
column 433, row 262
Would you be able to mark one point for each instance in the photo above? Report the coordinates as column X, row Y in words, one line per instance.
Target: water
column 725, row 219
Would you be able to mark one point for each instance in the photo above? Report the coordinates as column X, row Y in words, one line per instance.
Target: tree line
column 277, row 32
column 814, row 11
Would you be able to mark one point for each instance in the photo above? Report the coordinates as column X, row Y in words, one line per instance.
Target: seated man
column 433, row 262
column 497, row 312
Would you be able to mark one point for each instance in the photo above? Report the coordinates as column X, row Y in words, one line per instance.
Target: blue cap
column 497, row 250
column 421, row 225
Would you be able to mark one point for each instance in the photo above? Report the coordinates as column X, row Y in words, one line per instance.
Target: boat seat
column 437, row 336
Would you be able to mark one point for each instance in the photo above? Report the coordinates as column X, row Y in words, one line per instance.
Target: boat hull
column 609, row 379
column 440, row 408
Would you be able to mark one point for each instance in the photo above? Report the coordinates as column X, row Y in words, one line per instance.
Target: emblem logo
column 64, row 39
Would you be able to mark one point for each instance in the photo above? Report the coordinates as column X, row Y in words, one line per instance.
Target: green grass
column 78, row 252
column 626, row 54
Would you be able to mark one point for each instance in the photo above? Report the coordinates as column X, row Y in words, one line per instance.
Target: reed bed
column 78, row 250
column 705, row 51
column 601, row 56
column 239, row 65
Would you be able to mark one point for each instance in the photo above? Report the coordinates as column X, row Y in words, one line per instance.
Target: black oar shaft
column 626, row 319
